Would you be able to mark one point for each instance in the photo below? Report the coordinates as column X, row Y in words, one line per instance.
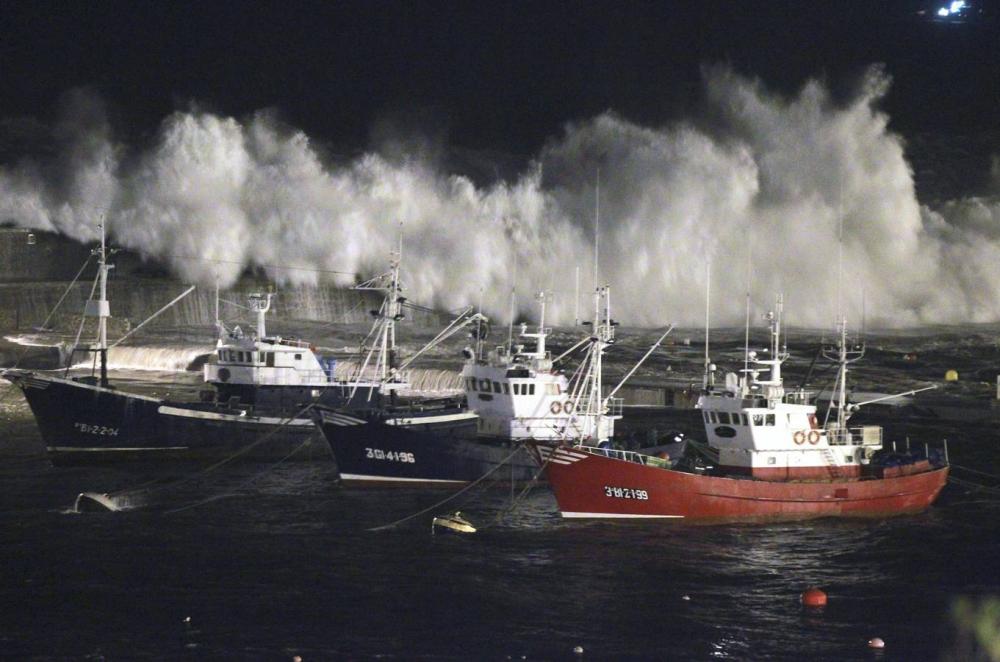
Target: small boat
column 766, row 457
column 454, row 523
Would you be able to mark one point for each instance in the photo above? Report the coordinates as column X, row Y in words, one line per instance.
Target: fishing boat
column 766, row 457
column 261, row 384
column 521, row 397
column 381, row 436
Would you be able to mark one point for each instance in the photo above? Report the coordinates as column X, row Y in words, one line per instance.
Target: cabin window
column 269, row 359
column 770, row 460
column 769, row 419
column 496, row 387
column 758, row 419
column 484, row 385
column 713, row 416
column 848, row 458
column 746, row 419
column 705, row 414
column 506, row 388
column 298, row 357
column 724, row 417
column 531, row 389
column 517, row 389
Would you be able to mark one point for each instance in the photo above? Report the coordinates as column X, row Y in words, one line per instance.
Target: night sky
column 497, row 76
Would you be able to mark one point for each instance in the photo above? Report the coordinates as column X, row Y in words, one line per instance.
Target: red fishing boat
column 766, row 456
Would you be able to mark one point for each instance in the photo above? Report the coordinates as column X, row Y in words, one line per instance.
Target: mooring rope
column 244, row 483
column 515, row 501
column 452, row 496
column 243, row 451
column 975, row 486
column 975, row 471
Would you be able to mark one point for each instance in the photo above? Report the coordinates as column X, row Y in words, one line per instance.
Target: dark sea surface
column 265, row 562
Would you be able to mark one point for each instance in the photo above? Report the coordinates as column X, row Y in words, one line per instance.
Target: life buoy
column 799, row 437
column 555, row 407
column 568, row 407
column 814, row 436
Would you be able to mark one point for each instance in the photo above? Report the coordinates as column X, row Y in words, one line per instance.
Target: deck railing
column 628, row 456
column 866, row 435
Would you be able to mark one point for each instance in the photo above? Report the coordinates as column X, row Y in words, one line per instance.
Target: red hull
column 590, row 485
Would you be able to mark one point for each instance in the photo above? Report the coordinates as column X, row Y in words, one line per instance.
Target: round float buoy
column 813, row 597
column 951, row 376
column 876, row 642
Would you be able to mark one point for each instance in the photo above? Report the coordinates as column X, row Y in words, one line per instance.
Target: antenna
column 218, row 320
column 597, row 226
column 864, row 313
column 479, row 328
column 840, row 250
column 746, row 333
column 513, row 295
column 708, row 299
column 576, row 299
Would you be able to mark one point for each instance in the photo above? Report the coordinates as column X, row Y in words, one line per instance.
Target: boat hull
column 590, row 485
column 84, row 423
column 436, row 448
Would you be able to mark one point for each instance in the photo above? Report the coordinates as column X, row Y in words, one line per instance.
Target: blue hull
column 81, row 422
column 429, row 446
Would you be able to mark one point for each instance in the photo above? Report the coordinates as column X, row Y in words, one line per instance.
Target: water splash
column 162, row 359
column 757, row 174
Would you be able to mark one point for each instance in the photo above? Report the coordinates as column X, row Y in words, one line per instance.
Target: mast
column 100, row 308
column 393, row 313
column 383, row 332
column 260, row 304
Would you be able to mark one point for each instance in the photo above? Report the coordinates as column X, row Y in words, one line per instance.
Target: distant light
column 957, row 6
column 943, row 11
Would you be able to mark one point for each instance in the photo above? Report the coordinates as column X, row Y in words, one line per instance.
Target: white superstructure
column 758, row 428
column 520, row 396
column 264, row 360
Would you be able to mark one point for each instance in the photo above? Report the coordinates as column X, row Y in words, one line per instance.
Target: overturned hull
column 588, row 483
column 434, row 446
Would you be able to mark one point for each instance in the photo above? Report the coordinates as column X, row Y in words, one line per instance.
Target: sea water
column 266, row 562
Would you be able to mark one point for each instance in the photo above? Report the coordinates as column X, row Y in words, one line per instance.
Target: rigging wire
column 450, row 497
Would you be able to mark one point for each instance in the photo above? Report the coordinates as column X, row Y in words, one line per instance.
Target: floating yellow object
column 951, row 376
column 452, row 524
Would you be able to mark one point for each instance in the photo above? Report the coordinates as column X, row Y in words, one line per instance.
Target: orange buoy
column 813, row 597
